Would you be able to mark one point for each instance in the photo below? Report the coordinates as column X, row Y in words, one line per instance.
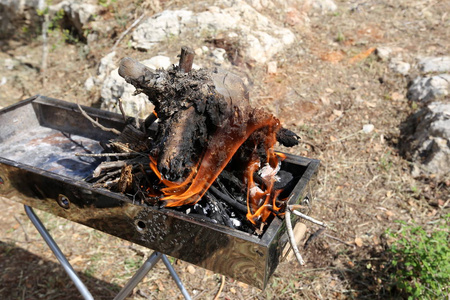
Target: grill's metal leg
column 139, row 275
column 131, row 284
column 175, row 277
column 58, row 253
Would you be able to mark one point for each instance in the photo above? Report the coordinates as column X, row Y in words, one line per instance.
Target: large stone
column 17, row 15
column 429, row 88
column 259, row 37
column 78, row 13
column 434, row 64
column 303, row 5
column 114, row 87
column 399, row 66
column 426, row 139
column 324, row 5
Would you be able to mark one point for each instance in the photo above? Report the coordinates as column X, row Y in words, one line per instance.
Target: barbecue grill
column 38, row 167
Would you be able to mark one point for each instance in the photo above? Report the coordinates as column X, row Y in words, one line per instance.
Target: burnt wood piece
column 226, row 198
column 197, row 111
column 186, row 59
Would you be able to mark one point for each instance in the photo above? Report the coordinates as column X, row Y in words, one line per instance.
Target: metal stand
column 131, row 284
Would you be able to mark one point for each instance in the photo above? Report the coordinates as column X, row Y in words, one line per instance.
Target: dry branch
column 97, row 124
column 287, row 218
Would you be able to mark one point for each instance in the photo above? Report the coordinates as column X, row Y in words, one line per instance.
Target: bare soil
column 325, row 90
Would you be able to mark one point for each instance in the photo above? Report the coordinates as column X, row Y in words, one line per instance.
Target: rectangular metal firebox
column 38, row 167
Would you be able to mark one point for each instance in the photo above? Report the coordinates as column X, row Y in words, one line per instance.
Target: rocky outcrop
column 259, row 37
column 113, row 87
column 425, row 89
column 28, row 14
column 426, row 140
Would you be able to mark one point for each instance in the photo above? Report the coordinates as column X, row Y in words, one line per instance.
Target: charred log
column 207, row 133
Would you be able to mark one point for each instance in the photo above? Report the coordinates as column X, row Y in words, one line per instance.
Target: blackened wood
column 241, row 208
column 198, row 111
column 287, row 138
column 186, row 59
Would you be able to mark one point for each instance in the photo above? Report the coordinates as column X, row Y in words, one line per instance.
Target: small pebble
column 368, row 128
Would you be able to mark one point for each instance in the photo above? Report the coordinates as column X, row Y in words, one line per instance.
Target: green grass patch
column 421, row 260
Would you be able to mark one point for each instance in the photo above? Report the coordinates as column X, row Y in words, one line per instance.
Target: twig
column 287, row 218
column 308, row 218
column 123, row 34
column 186, row 59
column 339, row 240
column 222, row 284
column 107, row 154
column 228, row 199
column 124, row 116
column 23, row 228
column 41, row 6
column 108, row 165
column 313, row 237
column 95, row 123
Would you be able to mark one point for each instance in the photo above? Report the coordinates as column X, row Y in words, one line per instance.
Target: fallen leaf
column 397, row 96
column 375, row 240
column 389, row 213
column 75, row 260
column 361, row 56
column 325, row 101
column 242, row 285
column 190, row 269
column 370, row 104
column 337, row 113
column 333, row 57
column 160, row 285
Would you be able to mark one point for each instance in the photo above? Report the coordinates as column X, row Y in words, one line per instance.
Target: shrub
column 421, row 261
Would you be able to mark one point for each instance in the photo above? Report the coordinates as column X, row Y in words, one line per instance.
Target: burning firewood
column 207, row 133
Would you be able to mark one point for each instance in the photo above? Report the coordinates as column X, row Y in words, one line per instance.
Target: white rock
column 78, row 12
column 324, row 5
column 90, row 83
column 218, row 55
column 157, row 62
column 14, row 14
column 368, row 128
column 106, row 65
column 428, row 88
column 428, row 146
column 399, row 66
column 272, row 67
column 115, row 87
column 384, row 53
column 434, row 64
column 9, row 64
column 260, row 37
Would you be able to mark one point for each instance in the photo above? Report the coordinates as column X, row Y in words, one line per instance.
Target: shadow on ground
column 27, row 276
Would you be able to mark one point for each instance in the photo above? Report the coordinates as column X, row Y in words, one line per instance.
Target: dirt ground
column 325, row 89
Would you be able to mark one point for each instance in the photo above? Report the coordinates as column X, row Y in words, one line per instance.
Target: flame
column 223, row 145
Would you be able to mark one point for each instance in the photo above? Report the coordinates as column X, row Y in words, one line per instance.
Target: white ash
column 236, row 222
column 267, row 172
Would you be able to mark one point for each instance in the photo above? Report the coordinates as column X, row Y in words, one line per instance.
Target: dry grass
column 363, row 185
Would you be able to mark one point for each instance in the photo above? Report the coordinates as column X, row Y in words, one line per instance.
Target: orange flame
column 222, row 147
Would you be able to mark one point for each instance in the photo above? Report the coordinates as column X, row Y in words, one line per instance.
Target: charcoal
column 284, row 178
